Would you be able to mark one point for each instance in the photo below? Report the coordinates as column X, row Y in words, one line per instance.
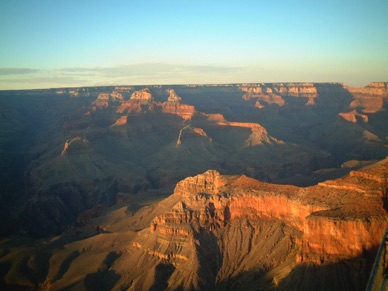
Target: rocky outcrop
column 209, row 182
column 125, row 91
column 353, row 116
column 107, row 99
column 193, row 131
column 274, row 93
column 339, row 219
column 174, row 105
column 370, row 98
column 373, row 88
column 139, row 101
column 258, row 136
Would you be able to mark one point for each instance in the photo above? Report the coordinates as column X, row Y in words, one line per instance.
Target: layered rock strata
column 259, row 135
column 274, row 93
column 370, row 98
column 139, row 101
column 339, row 219
column 174, row 105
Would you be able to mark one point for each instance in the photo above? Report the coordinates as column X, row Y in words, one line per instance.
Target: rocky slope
column 130, row 140
column 267, row 94
column 174, row 105
column 370, row 98
column 218, row 232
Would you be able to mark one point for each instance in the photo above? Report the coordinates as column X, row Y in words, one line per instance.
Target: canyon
column 239, row 186
column 215, row 232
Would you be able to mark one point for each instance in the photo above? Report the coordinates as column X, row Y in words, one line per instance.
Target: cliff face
column 141, row 100
column 274, row 93
column 373, row 88
column 173, row 105
column 259, row 135
column 64, row 151
column 370, row 98
column 106, row 99
column 217, row 232
column 336, row 223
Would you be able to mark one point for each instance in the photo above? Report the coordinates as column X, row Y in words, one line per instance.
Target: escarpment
column 267, row 94
column 174, row 105
column 139, row 101
column 89, row 171
column 370, row 98
column 339, row 219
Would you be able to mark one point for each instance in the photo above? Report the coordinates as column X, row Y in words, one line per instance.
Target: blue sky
column 62, row 43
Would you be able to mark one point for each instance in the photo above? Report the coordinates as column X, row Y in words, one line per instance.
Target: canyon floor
column 224, row 187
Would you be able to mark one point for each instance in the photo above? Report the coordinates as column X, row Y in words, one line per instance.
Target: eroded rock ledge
column 339, row 219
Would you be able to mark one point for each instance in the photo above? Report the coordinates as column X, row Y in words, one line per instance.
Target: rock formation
column 173, row 105
column 274, row 93
column 139, row 101
column 77, row 142
column 370, row 98
column 107, row 99
column 339, row 219
column 78, row 165
column 219, row 231
column 353, row 115
column 258, row 136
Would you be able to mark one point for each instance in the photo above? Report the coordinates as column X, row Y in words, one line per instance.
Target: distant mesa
column 107, row 99
column 173, row 105
column 142, row 96
column 259, row 134
column 274, row 93
column 370, row 98
column 139, row 101
column 373, row 88
column 173, row 97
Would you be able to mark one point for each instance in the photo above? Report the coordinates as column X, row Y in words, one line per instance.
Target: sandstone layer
column 173, row 105
column 267, row 94
column 370, row 98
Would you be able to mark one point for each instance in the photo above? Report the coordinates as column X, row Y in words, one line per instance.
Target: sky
column 74, row 43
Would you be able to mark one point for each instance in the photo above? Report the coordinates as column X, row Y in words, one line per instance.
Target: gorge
column 239, row 186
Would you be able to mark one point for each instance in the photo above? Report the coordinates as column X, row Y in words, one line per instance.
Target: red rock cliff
column 173, row 105
column 338, row 220
column 370, row 98
column 140, row 101
column 274, row 93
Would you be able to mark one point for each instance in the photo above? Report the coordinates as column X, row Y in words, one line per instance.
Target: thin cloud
column 150, row 70
column 141, row 73
column 17, row 71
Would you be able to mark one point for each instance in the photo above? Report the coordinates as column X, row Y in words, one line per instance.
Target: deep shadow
column 210, row 259
column 101, row 280
column 109, row 260
column 344, row 275
column 227, row 214
column 66, row 265
column 350, row 274
column 163, row 272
